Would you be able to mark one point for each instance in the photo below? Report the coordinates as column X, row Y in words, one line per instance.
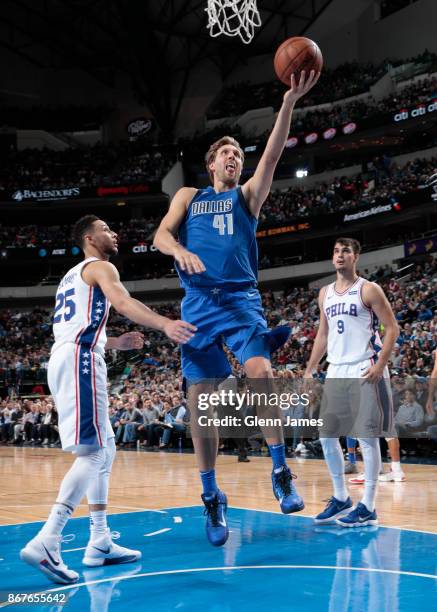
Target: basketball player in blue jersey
column 78, row 383
column 211, row 233
column 347, row 333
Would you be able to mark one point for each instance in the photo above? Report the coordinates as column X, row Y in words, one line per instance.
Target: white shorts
column 353, row 407
column 77, row 379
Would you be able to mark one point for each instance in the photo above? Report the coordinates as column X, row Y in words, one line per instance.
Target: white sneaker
column 358, row 479
column 392, row 477
column 103, row 551
column 44, row 553
column 301, row 448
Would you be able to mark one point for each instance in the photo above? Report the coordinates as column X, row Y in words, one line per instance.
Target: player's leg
column 43, row 551
column 374, row 418
column 396, row 473
column 101, row 550
column 351, row 465
column 205, row 442
column 333, row 407
column 259, row 372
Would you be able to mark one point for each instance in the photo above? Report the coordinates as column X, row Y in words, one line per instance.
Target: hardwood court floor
column 30, row 478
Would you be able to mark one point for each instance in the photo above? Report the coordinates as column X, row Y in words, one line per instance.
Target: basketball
column 294, row 55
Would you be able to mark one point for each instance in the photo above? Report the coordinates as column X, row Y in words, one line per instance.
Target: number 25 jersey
column 81, row 311
column 220, row 229
column 352, row 335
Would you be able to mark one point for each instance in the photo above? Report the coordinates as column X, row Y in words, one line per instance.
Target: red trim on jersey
column 93, row 384
column 76, row 379
column 348, row 289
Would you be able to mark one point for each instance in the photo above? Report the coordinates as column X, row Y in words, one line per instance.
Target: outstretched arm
column 104, row 275
column 256, row 189
column 432, row 387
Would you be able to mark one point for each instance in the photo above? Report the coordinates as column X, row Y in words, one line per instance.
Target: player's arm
column 104, row 275
column 432, row 387
column 321, row 340
column 165, row 237
column 257, row 188
column 374, row 298
column 126, row 342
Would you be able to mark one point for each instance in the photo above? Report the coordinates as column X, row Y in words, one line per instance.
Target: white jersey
column 81, row 312
column 352, row 335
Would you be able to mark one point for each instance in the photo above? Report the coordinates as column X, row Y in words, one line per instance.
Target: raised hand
column 298, row 90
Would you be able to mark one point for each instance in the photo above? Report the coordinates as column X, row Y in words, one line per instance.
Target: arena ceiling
column 156, row 42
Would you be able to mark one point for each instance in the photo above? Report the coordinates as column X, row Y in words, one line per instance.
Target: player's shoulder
column 371, row 289
column 183, row 197
column 97, row 268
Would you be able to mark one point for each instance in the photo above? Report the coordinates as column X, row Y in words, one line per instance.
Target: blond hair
column 212, row 152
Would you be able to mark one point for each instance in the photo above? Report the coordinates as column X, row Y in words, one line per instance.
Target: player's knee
column 109, row 455
column 258, row 367
column 330, row 445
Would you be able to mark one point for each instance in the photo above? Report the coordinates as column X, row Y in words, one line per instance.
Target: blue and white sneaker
column 285, row 492
column 334, row 509
column 216, row 506
column 44, row 553
column 359, row 517
column 103, row 551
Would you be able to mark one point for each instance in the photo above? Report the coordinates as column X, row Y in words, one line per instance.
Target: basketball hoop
column 233, row 18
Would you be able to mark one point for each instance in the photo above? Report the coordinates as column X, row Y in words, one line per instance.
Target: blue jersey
column 220, row 229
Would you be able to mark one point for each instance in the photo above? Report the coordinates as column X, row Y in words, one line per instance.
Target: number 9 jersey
column 352, row 335
column 220, row 229
column 81, row 312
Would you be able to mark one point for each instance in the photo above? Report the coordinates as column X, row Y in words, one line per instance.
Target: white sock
column 98, row 524
column 372, row 464
column 58, row 517
column 396, row 466
column 335, row 462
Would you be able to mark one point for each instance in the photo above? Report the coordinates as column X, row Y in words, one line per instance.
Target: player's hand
column 297, row 90
column 188, row 262
column 374, row 373
column 130, row 341
column 179, row 331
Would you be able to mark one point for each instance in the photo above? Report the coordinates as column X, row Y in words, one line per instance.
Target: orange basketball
column 297, row 54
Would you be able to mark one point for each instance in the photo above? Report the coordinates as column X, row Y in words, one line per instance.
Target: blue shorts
column 222, row 316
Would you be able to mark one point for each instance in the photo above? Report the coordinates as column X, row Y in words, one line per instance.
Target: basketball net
column 233, row 18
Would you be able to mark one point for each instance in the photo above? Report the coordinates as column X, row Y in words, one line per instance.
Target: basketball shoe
column 285, row 492
column 103, row 551
column 358, row 517
column 216, row 506
column 350, row 468
column 392, row 476
column 334, row 509
column 44, row 553
column 359, row 479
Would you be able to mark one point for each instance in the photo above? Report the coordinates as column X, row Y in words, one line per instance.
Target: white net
column 233, row 18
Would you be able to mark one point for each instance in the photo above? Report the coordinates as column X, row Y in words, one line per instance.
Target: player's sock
column 350, row 443
column 372, row 464
column 396, row 466
column 209, row 483
column 277, row 453
column 98, row 524
column 335, row 462
column 58, row 517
